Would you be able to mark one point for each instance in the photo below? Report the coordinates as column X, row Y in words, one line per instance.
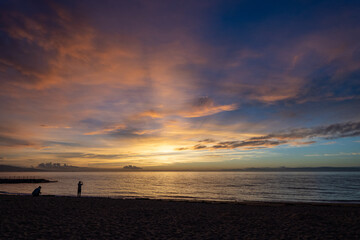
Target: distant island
column 131, row 167
column 57, row 167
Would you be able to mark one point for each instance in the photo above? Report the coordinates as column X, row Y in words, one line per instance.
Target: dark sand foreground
column 47, row 217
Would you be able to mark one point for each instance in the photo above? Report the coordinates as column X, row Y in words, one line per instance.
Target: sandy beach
column 50, row 217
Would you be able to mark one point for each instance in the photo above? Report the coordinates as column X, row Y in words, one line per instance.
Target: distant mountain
column 300, row 169
column 7, row 168
column 55, row 167
column 62, row 167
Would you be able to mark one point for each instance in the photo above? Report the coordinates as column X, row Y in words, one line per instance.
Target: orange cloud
column 107, row 130
column 203, row 106
column 53, row 126
column 208, row 110
column 151, row 113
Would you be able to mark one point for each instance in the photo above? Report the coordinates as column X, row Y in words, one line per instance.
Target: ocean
column 208, row 186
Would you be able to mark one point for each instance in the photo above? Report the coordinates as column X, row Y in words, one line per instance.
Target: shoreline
column 257, row 202
column 56, row 217
column 194, row 200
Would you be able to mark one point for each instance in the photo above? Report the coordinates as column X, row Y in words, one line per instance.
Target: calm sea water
column 212, row 186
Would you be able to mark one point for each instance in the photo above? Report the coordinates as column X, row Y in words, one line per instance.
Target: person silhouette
column 36, row 192
column 80, row 183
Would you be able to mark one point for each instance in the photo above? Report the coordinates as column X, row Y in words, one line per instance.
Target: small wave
column 231, row 185
column 10, row 193
column 124, row 192
column 239, row 185
column 169, row 196
column 129, row 197
column 306, row 188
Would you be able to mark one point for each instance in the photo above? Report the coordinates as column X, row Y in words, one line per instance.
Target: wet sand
column 49, row 217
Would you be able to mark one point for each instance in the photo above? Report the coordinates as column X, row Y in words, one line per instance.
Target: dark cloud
column 25, row 68
column 203, row 102
column 207, row 140
column 333, row 131
column 182, row 149
column 33, row 37
column 199, row 146
column 14, row 142
column 246, row 144
column 237, row 144
column 339, row 130
column 57, row 143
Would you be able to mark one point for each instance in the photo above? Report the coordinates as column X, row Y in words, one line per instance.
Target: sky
column 175, row 85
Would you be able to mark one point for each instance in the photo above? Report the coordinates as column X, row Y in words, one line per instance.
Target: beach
column 53, row 217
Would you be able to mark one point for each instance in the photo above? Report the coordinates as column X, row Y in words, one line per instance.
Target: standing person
column 36, row 192
column 80, row 183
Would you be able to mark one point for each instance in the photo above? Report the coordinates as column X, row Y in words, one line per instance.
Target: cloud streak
column 295, row 137
column 333, row 131
column 6, row 141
